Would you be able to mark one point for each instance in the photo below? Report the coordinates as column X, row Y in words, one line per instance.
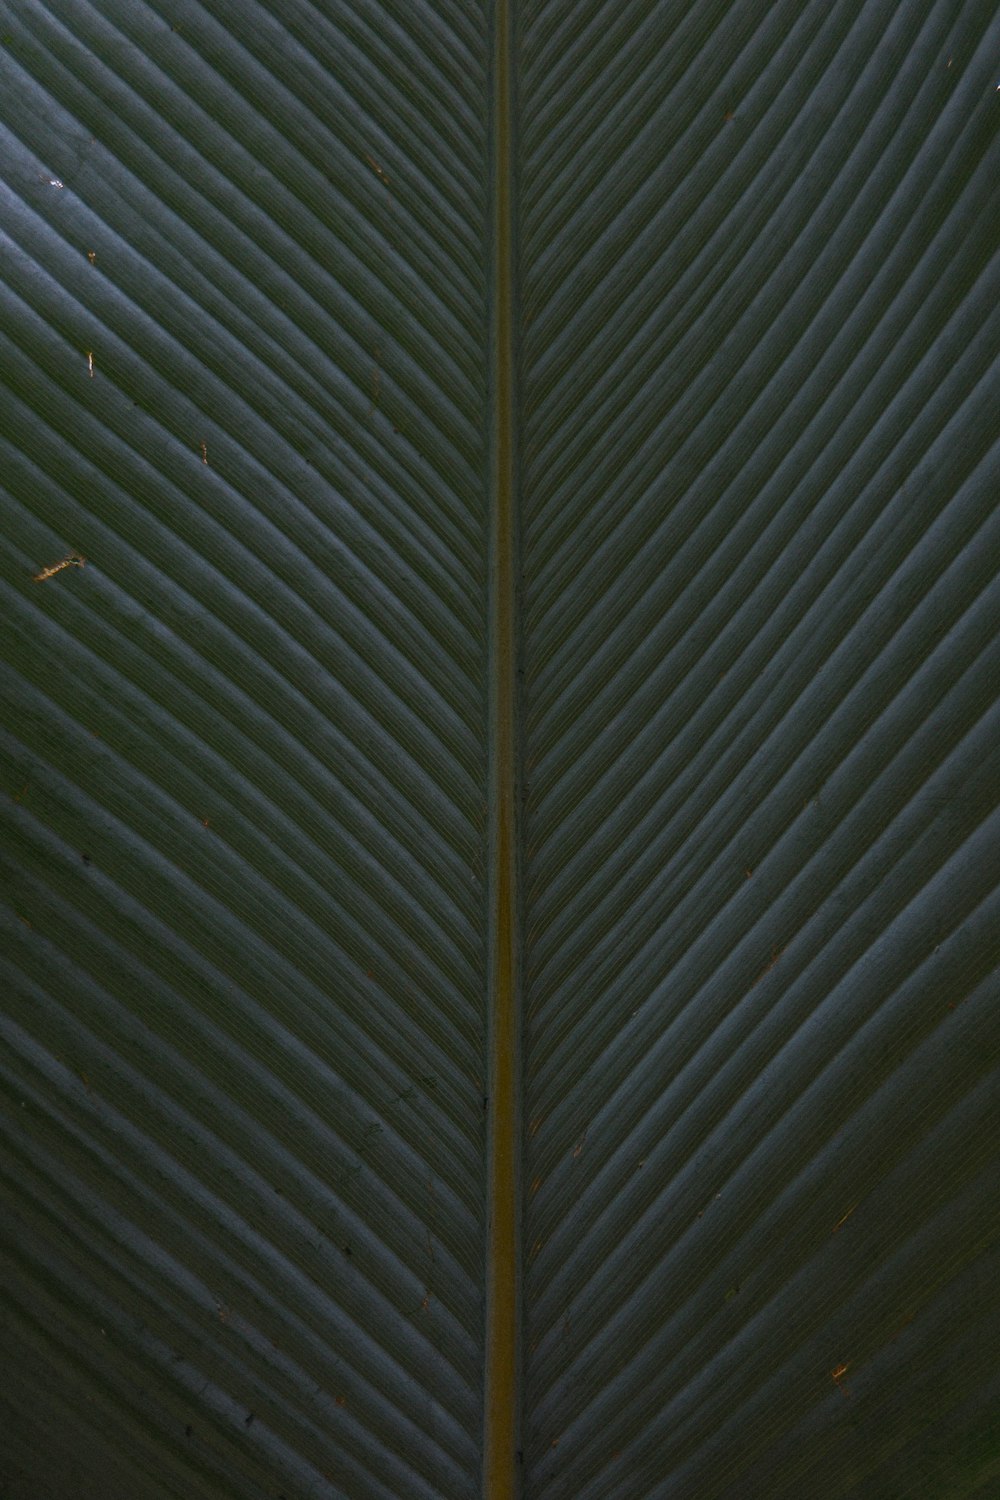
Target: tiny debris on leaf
column 843, row 1219
column 376, row 169
column 92, row 256
column 71, row 560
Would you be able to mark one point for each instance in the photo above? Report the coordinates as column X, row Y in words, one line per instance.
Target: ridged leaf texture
column 257, row 430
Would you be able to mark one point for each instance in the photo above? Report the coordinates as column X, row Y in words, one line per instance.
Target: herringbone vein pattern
column 246, row 346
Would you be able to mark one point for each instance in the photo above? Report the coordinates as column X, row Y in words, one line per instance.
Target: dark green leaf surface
column 761, row 541
column 244, row 747
column 248, row 350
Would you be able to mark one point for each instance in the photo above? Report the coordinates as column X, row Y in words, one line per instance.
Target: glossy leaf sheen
column 248, row 344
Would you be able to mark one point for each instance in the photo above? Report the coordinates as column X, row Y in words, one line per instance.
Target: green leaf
column 499, row 755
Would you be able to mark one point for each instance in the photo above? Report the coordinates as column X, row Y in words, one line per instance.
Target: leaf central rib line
column 502, row 1372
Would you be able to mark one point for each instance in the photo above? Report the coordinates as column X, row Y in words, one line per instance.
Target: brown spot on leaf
column 775, row 955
